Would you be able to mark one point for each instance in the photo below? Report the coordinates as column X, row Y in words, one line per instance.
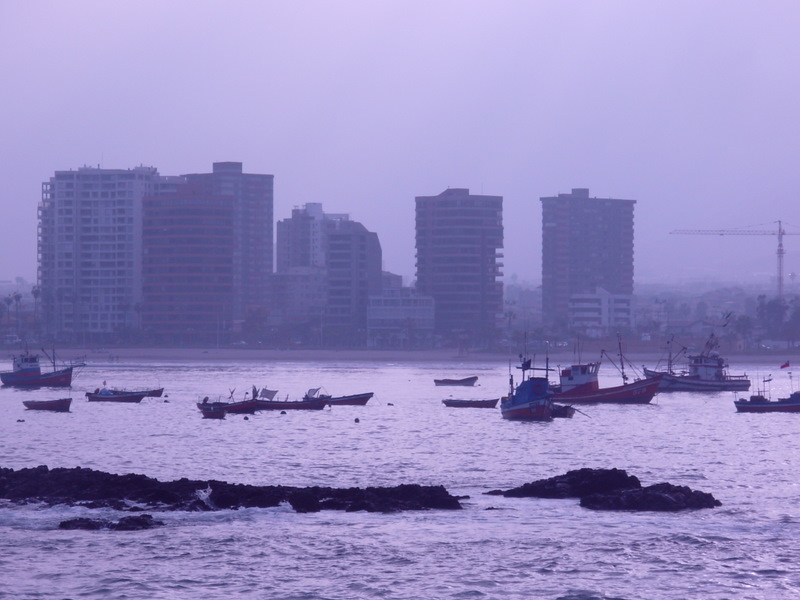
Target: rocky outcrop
column 573, row 484
column 659, row 497
column 96, row 489
column 613, row 489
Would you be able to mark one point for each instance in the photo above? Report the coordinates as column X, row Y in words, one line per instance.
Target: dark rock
column 658, row 497
column 136, row 523
column 573, row 484
column 131, row 492
column 83, row 523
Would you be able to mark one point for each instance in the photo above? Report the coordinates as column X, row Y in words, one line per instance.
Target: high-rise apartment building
column 251, row 196
column 587, row 261
column 187, row 266
column 458, row 237
column 90, row 249
column 327, row 266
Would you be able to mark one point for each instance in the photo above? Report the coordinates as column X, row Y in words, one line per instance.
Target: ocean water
column 496, row 547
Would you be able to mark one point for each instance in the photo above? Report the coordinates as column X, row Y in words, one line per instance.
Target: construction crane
column 780, row 233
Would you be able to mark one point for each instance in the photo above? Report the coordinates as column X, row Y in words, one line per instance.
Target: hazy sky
column 692, row 108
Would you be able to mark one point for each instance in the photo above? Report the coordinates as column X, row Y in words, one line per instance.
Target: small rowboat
column 154, row 393
column 60, row 405
column 212, row 410
column 465, row 381
column 106, row 395
column 456, row 403
column 351, row 400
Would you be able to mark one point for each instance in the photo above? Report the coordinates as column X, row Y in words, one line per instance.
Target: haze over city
column 689, row 109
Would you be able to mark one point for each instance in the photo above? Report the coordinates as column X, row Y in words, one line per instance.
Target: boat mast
column 621, row 360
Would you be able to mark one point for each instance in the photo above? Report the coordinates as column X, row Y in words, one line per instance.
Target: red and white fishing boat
column 579, row 384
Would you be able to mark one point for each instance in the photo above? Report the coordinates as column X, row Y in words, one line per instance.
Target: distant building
column 251, row 196
column 400, row 318
column 90, row 250
column 187, row 266
column 587, row 261
column 458, row 239
column 327, row 265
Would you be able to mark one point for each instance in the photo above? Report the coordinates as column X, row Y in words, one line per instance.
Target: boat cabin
column 579, row 376
column 27, row 363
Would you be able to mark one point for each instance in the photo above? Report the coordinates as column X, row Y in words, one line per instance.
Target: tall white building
column 90, row 249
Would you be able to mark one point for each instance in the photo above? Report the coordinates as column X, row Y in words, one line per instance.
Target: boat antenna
column 621, row 359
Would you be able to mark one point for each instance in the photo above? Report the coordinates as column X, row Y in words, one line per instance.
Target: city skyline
column 689, row 109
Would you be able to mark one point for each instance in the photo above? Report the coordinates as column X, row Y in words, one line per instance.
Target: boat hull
column 129, row 397
column 466, row 381
column 454, row 403
column 351, row 400
column 59, row 378
column 639, row 392
column 60, row 405
column 688, row 383
column 537, row 410
column 212, row 410
column 314, row 404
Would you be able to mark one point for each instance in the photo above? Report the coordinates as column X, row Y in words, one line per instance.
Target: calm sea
column 494, row 548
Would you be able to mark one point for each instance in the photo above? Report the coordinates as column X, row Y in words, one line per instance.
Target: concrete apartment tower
column 587, row 262
column 251, row 196
column 90, row 250
column 327, row 266
column 459, row 236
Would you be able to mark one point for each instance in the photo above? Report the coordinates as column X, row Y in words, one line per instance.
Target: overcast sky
column 691, row 108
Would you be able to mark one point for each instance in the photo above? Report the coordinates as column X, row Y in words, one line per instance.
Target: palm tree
column 36, row 292
column 17, row 297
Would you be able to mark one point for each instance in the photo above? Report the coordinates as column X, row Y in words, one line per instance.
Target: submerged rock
column 136, row 523
column 96, row 489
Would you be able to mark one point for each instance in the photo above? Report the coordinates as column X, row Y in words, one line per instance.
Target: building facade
column 327, row 266
column 458, row 239
column 90, row 250
column 587, row 260
column 251, row 196
column 187, row 267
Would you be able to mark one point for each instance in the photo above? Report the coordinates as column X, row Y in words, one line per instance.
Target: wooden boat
column 154, row 393
column 563, row 411
column 465, row 381
column 212, row 410
column 108, row 395
column 707, row 372
column 27, row 372
column 531, row 400
column 351, row 400
column 59, row 405
column 458, row 403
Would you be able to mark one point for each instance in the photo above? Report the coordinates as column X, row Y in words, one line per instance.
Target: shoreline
column 648, row 355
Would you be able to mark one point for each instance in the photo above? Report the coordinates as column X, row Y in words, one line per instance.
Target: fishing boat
column 579, row 384
column 27, row 372
column 59, row 405
column 351, row 400
column 706, row 372
column 530, row 400
column 458, row 403
column 464, row 381
column 758, row 403
column 212, row 410
column 111, row 395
